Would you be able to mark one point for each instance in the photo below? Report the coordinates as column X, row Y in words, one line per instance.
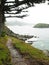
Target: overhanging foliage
column 16, row 6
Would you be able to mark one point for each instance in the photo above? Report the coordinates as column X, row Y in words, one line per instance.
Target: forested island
column 41, row 25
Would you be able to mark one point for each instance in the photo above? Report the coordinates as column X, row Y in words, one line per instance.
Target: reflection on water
column 43, row 45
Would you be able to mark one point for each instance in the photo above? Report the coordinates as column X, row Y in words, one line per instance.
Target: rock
column 46, row 52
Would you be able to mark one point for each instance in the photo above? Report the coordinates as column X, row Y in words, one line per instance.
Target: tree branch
column 16, row 16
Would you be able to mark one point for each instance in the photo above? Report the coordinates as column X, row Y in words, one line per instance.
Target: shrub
column 3, row 34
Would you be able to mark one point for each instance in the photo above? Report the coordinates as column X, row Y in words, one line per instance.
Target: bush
column 3, row 34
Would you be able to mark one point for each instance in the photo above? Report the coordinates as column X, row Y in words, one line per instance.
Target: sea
column 42, row 33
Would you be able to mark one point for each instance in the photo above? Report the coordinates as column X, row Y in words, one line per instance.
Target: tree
column 8, row 7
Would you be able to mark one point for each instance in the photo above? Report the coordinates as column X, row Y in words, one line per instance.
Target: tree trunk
column 1, row 21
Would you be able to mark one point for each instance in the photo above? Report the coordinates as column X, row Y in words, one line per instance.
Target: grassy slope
column 29, row 50
column 5, row 58
column 26, row 50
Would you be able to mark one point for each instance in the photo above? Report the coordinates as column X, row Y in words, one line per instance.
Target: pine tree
column 6, row 7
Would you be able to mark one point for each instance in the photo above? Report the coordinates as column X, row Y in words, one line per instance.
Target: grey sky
column 15, row 22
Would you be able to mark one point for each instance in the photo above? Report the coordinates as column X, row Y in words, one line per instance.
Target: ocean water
column 42, row 33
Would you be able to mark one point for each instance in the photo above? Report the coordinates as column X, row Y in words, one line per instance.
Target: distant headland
column 41, row 25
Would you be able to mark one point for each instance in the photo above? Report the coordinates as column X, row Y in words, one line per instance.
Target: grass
column 5, row 58
column 29, row 50
column 26, row 50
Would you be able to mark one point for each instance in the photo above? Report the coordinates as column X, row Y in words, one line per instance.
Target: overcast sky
column 37, row 14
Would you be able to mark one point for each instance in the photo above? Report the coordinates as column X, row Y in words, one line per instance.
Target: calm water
column 42, row 33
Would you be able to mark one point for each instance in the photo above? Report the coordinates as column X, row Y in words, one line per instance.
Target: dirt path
column 16, row 57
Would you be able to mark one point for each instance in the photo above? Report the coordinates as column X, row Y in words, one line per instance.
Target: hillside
column 9, row 32
column 41, row 25
column 21, row 37
column 5, row 58
column 31, row 55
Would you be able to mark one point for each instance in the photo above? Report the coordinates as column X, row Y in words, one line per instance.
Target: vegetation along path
column 16, row 57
